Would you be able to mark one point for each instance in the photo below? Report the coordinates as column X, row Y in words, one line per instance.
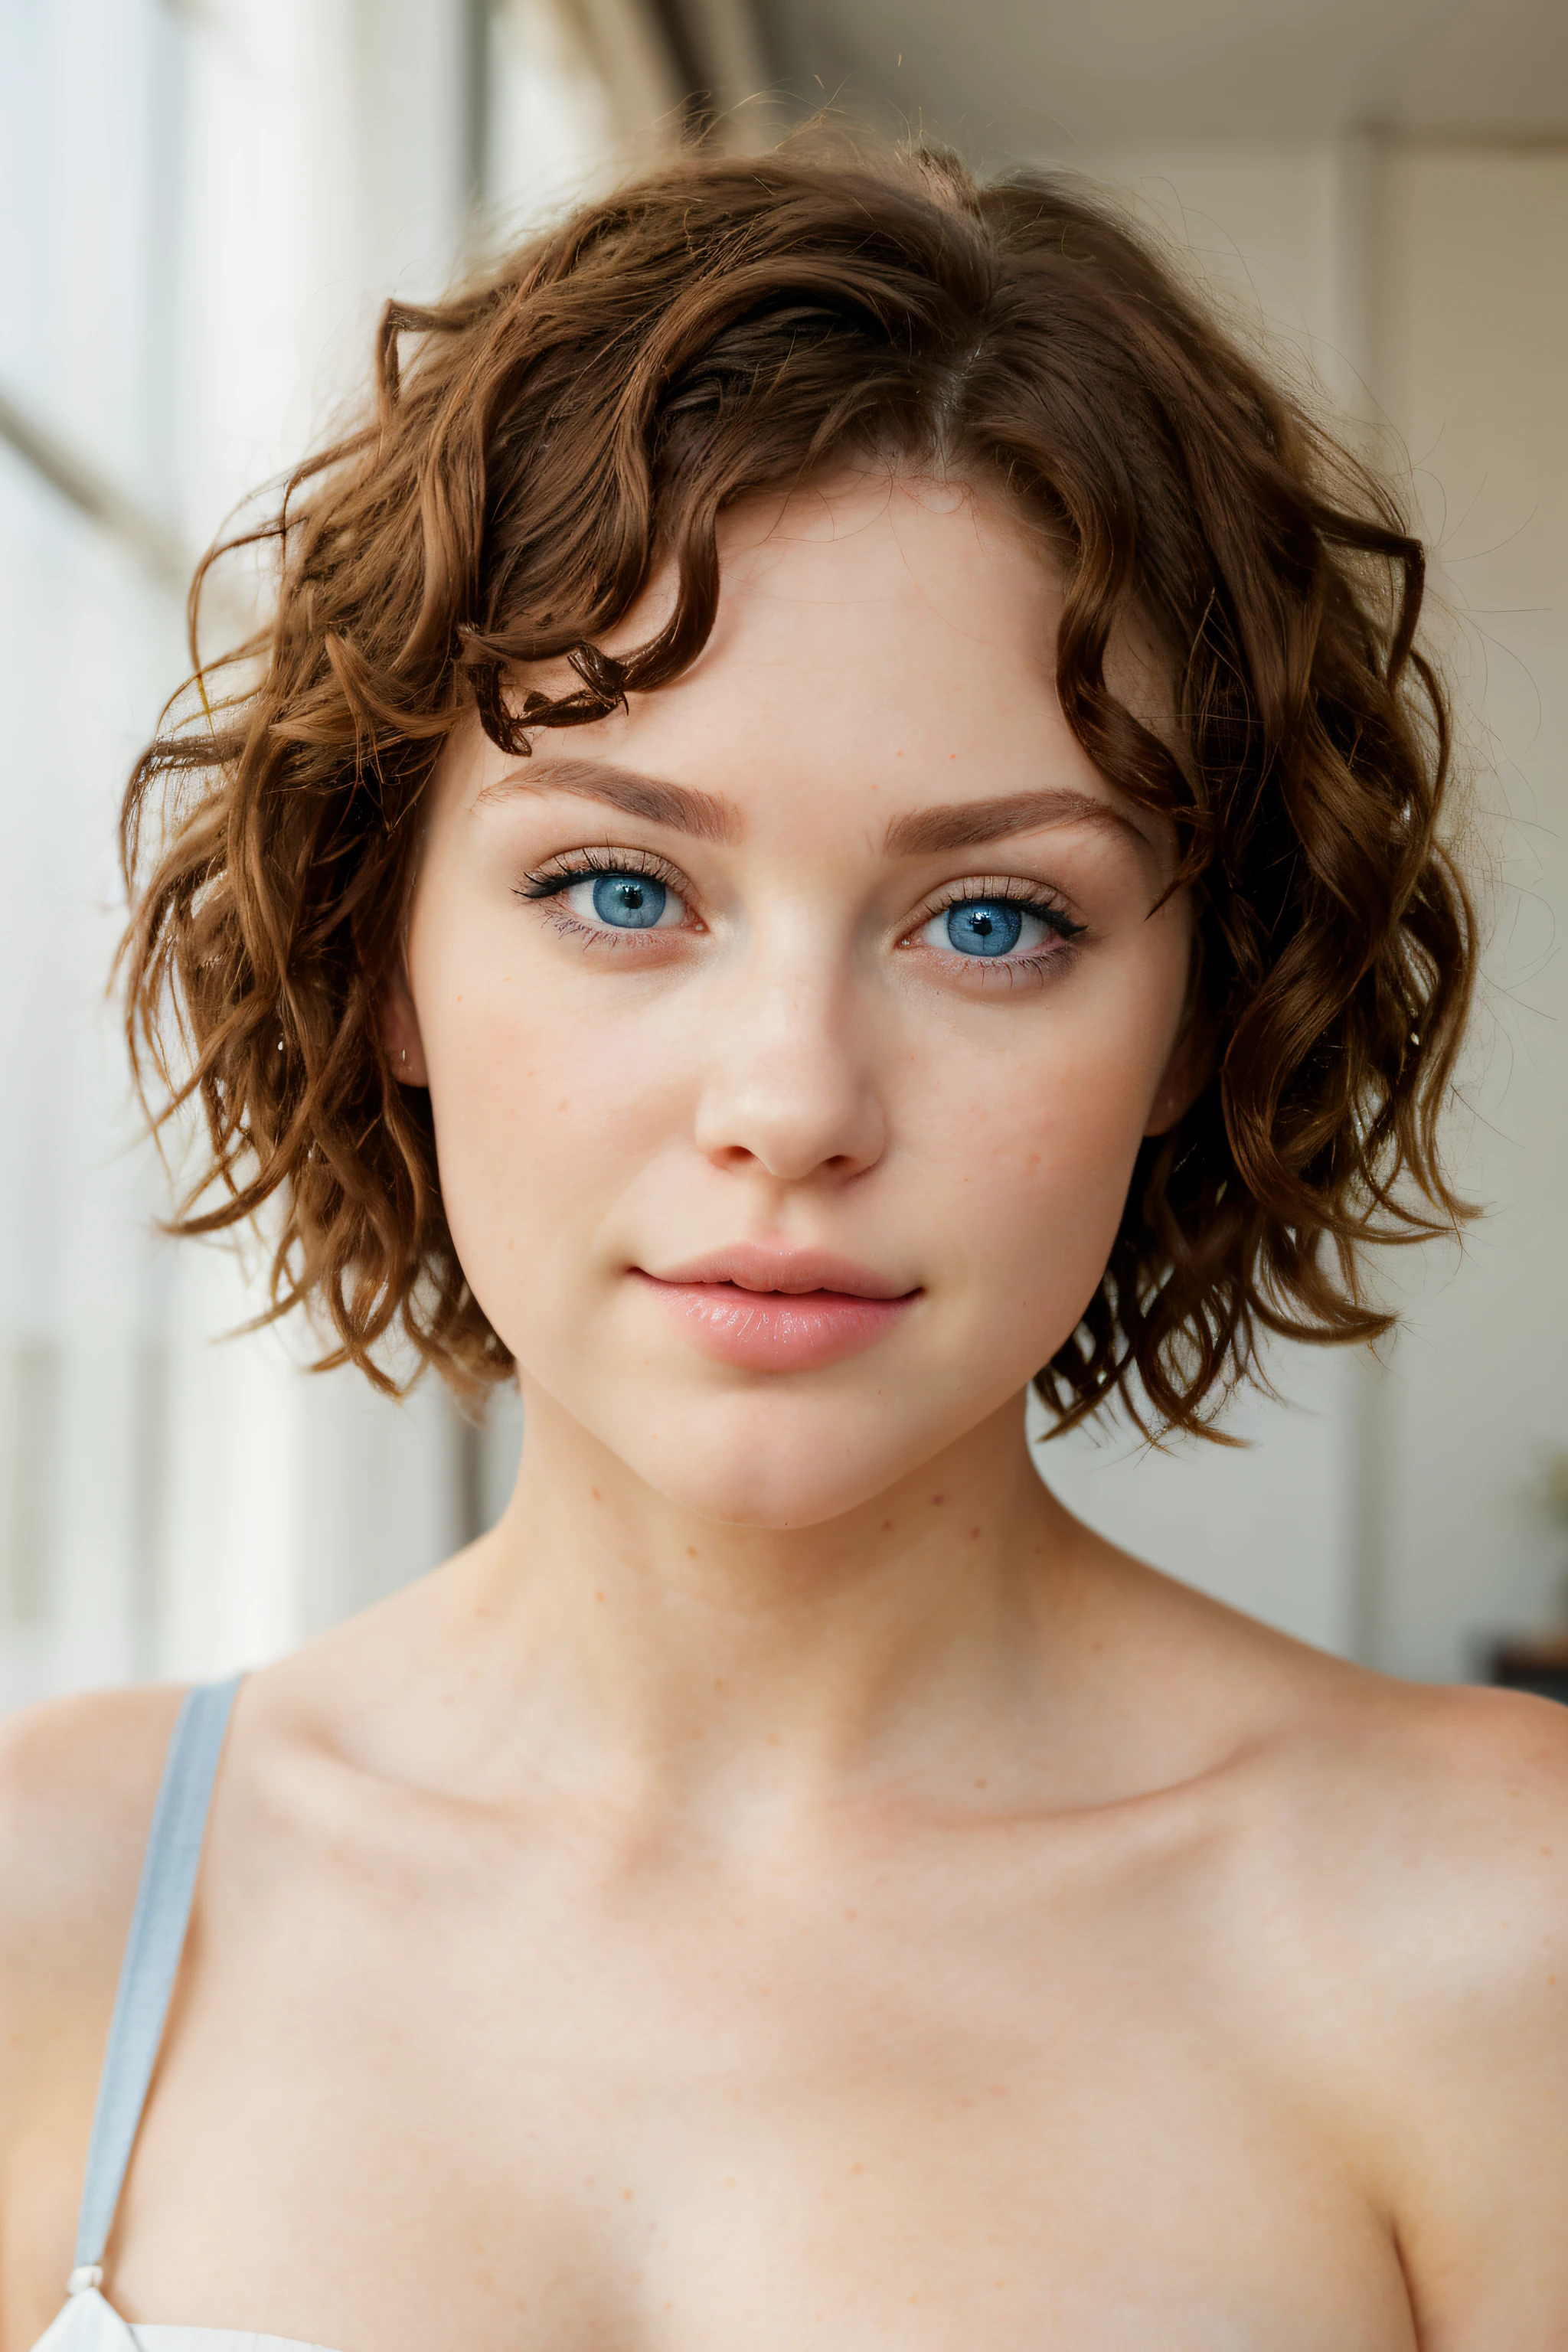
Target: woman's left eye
column 993, row 928
column 625, row 902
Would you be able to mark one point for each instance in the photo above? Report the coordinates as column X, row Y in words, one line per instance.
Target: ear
column 1187, row 1071
column 400, row 1031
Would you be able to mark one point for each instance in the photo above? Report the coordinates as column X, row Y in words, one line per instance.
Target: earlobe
column 400, row 1033
column 1186, row 1073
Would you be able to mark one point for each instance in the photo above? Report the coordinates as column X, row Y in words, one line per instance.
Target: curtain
column 203, row 208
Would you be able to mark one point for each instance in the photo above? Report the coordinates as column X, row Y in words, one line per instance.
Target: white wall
column 187, row 285
column 1475, row 350
column 1398, row 1515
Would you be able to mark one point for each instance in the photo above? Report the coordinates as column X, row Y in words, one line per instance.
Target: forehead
column 929, row 579
column 883, row 645
column 866, row 624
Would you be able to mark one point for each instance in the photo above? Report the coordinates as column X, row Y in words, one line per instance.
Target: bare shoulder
column 1415, row 1807
column 1384, row 1875
column 1403, row 1845
column 1496, row 1762
column 78, row 1777
column 1378, row 1793
column 1426, row 1823
column 1415, row 1879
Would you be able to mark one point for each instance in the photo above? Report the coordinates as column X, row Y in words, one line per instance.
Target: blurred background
column 203, row 203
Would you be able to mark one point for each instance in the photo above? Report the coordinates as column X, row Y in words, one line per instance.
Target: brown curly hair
column 587, row 410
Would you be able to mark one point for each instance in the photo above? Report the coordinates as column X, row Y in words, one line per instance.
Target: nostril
column 791, row 1122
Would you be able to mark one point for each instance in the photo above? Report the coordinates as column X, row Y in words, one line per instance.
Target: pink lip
column 771, row 1310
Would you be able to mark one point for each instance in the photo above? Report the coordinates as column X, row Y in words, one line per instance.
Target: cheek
column 1040, row 1165
column 543, row 1117
column 1031, row 1147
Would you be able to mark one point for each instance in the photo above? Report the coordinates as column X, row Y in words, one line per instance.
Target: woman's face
column 790, row 1037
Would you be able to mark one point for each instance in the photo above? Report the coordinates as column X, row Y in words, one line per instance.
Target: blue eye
column 629, row 902
column 987, row 930
column 617, row 902
column 614, row 899
column 985, row 926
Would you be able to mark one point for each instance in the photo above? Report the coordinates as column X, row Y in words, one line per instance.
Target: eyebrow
column 707, row 814
column 967, row 824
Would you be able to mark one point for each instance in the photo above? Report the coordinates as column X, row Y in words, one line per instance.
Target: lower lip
column 776, row 1330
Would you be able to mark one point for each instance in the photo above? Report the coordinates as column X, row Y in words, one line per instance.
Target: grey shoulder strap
column 152, row 1962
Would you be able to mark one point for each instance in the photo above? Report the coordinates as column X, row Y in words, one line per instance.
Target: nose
column 789, row 1087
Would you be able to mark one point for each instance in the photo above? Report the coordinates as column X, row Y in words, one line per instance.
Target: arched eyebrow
column 707, row 814
column 969, row 825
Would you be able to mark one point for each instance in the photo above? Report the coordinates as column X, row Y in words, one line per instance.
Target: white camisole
column 89, row 2323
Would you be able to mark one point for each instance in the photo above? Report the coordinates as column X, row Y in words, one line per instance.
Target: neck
column 894, row 1644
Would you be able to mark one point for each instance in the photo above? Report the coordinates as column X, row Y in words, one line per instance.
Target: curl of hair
column 545, row 438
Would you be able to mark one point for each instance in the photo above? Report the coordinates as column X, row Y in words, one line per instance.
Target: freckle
column 598, row 1596
column 560, row 1106
column 974, row 1531
column 939, row 1498
column 692, row 1551
column 731, row 2182
column 983, row 1784
column 773, row 1741
column 626, row 2195
column 592, row 1490
column 855, row 2168
column 887, row 1527
column 852, row 1915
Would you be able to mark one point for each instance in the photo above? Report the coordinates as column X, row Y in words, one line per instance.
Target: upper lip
column 756, row 1265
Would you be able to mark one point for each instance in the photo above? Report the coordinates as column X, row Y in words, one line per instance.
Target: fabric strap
column 152, row 1962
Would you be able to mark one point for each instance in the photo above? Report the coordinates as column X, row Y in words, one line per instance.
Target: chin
column 776, row 1461
column 781, row 1489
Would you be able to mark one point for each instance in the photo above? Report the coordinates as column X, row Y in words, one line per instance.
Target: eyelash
column 549, row 881
column 1034, row 900
column 1030, row 896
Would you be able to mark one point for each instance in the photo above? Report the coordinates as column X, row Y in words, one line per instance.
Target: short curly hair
column 586, row 411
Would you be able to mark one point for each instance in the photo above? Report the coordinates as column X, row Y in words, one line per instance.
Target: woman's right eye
column 623, row 902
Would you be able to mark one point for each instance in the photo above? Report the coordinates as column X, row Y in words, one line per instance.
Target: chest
column 578, row 2115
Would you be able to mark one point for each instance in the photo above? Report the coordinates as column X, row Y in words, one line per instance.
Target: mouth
column 775, row 1310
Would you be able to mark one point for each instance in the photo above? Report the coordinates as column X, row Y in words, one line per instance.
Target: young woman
column 839, row 808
